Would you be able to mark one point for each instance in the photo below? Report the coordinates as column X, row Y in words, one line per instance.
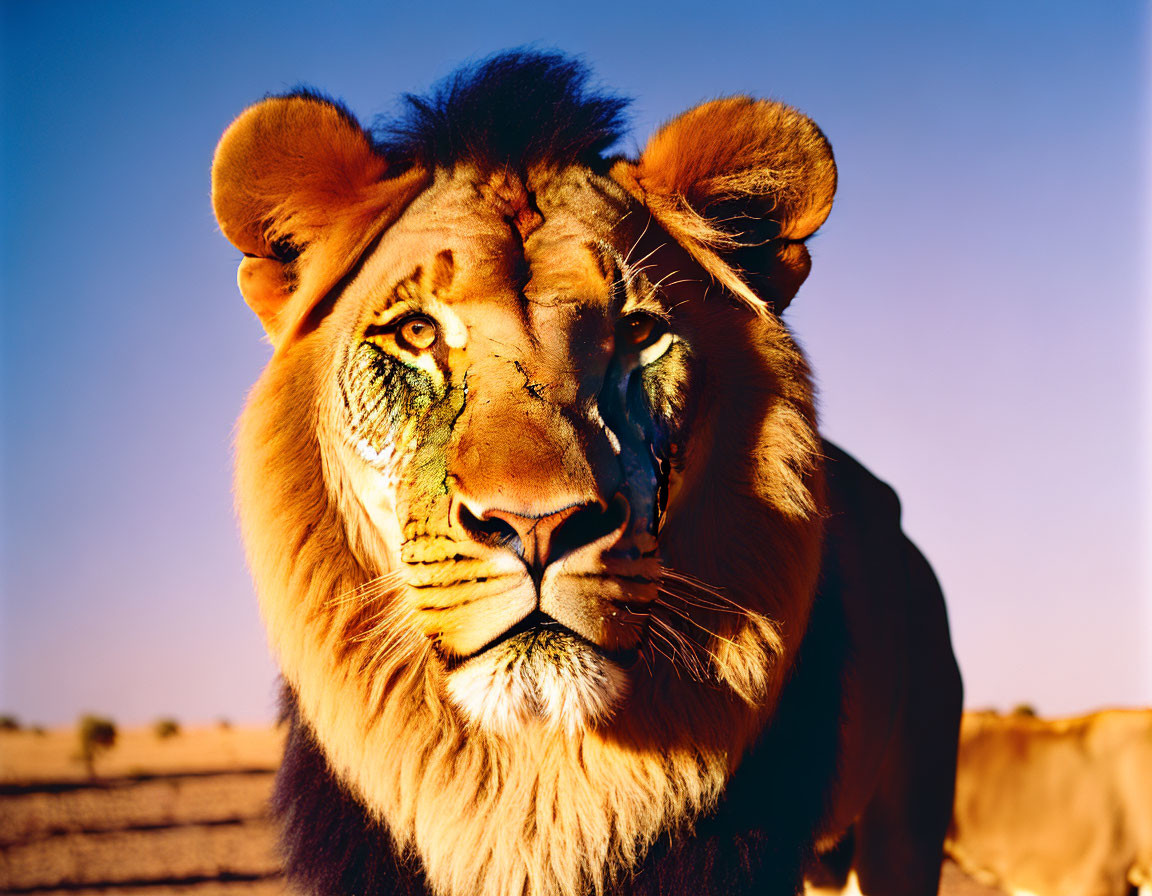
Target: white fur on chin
column 547, row 675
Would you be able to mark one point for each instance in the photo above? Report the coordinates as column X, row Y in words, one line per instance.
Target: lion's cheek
column 365, row 486
column 463, row 617
column 606, row 610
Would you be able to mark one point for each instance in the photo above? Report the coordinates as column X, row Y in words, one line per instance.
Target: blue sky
column 977, row 314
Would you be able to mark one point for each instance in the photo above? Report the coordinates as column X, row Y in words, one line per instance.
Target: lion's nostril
column 588, row 524
column 489, row 530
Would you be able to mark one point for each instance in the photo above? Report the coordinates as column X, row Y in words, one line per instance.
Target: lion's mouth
column 539, row 669
column 540, row 633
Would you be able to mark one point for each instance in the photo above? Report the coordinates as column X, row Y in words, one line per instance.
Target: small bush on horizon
column 166, row 728
column 9, row 723
column 97, row 734
column 224, row 724
column 1025, row 709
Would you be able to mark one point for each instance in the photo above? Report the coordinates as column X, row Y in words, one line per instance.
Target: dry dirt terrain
column 186, row 814
column 183, row 815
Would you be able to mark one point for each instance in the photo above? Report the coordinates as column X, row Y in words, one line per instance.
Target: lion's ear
column 740, row 183
column 299, row 189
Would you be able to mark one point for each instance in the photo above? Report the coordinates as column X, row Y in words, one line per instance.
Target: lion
column 1056, row 806
column 568, row 594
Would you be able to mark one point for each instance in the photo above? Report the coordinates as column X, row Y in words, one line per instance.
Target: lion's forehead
column 455, row 248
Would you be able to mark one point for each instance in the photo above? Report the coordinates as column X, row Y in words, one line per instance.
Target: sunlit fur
column 542, row 768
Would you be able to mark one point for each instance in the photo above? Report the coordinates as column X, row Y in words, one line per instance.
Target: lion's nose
column 536, row 534
column 540, row 539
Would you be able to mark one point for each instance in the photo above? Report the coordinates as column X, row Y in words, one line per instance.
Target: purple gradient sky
column 977, row 314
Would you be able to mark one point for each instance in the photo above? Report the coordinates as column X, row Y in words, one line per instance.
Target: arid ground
column 180, row 815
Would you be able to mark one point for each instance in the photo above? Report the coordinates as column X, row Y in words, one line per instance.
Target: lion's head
column 531, row 485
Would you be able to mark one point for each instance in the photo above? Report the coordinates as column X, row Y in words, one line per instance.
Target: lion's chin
column 549, row 676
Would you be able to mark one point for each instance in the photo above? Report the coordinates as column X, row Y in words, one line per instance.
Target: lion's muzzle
column 563, row 657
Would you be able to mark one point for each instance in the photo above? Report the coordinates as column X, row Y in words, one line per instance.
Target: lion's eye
column 417, row 333
column 637, row 331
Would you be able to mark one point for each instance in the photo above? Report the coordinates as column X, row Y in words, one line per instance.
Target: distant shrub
column 224, row 724
column 166, row 728
column 9, row 723
column 38, row 730
column 97, row 735
column 1025, row 709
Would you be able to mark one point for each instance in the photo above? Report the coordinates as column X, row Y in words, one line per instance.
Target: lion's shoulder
column 855, row 491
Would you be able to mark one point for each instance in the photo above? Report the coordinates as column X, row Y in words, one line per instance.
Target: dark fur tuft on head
column 516, row 109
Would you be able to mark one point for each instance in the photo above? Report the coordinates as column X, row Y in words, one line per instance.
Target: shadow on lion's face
column 514, row 386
